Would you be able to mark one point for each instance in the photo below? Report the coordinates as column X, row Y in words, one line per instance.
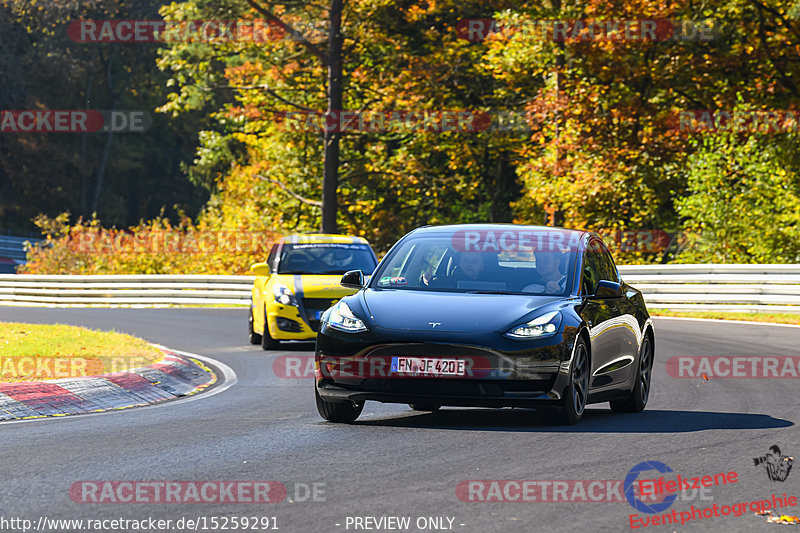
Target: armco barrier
column 768, row 288
column 143, row 290
column 774, row 288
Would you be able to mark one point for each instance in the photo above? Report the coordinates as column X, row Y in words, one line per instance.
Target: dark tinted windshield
column 326, row 258
column 490, row 263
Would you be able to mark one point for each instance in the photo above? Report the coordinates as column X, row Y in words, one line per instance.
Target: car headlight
column 342, row 318
column 284, row 295
column 542, row 326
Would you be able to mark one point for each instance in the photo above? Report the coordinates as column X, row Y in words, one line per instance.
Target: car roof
column 322, row 238
column 451, row 228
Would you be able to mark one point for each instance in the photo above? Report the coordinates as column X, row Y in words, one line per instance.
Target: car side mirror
column 353, row 279
column 607, row 289
column 260, row 269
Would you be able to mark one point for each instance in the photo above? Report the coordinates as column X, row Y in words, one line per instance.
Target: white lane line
column 723, row 321
column 227, row 372
column 230, row 379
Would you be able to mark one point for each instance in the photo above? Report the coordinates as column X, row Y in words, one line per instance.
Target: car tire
column 637, row 400
column 344, row 411
column 422, row 406
column 575, row 400
column 267, row 342
column 255, row 338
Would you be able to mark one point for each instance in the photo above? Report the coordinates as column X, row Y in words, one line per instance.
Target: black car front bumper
column 510, row 373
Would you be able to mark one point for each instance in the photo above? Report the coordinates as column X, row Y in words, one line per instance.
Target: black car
column 487, row 315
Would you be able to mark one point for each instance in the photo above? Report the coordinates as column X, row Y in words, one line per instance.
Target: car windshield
column 325, row 258
column 505, row 262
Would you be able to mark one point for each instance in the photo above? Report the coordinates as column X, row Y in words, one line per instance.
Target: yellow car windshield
column 326, row 258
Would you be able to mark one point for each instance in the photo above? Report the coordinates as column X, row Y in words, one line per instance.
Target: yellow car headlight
column 284, row 295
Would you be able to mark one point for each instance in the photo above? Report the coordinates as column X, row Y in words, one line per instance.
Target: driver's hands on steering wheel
column 552, row 287
column 427, row 277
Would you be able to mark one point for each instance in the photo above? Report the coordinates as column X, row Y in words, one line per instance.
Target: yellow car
column 299, row 281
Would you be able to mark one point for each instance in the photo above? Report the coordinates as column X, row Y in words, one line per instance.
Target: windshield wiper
column 490, row 291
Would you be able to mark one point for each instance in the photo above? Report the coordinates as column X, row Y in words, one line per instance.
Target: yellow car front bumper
column 288, row 312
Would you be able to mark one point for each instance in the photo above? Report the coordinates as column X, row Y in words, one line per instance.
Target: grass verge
column 775, row 318
column 30, row 352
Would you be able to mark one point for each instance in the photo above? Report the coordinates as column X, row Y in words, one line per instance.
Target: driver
column 470, row 265
column 339, row 258
column 551, row 280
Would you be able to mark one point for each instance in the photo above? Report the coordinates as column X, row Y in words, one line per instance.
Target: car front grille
column 311, row 306
column 320, row 304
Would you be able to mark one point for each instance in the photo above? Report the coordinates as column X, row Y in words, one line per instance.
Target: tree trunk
column 101, row 170
column 330, row 178
column 84, row 168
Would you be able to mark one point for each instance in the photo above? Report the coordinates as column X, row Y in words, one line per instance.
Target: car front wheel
column 267, row 342
column 255, row 338
column 574, row 402
column 343, row 411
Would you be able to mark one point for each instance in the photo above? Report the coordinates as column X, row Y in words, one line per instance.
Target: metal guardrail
column 774, row 288
column 144, row 290
column 768, row 288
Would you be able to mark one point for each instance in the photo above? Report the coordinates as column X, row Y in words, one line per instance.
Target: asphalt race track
column 398, row 462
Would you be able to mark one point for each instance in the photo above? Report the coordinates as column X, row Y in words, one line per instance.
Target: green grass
column 30, row 352
column 775, row 318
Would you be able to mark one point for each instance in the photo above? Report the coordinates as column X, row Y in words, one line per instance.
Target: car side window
column 592, row 268
column 609, row 268
column 401, row 263
column 433, row 258
column 273, row 253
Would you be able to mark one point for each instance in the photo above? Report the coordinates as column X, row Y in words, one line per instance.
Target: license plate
column 428, row 366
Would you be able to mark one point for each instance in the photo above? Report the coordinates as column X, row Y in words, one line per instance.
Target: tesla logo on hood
column 434, row 324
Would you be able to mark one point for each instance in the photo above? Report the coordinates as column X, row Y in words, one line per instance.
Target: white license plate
column 428, row 366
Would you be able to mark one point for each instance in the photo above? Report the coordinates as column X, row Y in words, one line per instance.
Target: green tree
column 743, row 203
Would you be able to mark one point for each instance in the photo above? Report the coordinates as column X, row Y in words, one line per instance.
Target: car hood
column 315, row 286
column 455, row 312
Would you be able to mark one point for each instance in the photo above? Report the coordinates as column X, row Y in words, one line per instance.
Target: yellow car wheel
column 267, row 342
column 255, row 338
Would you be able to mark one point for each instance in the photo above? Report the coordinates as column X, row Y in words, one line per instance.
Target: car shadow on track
column 594, row 421
column 294, row 346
